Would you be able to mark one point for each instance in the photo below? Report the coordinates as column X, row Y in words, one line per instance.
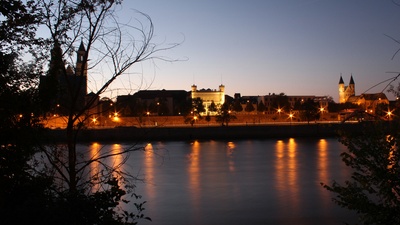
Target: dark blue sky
column 257, row 47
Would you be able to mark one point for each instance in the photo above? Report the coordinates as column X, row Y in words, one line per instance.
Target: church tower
column 342, row 99
column 80, row 61
column 346, row 91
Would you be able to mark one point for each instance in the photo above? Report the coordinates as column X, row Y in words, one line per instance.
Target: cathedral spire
column 81, row 47
column 341, row 80
column 351, row 79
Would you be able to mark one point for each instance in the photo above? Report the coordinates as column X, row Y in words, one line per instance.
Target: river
column 274, row 181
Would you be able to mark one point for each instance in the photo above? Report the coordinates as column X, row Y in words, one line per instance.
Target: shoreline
column 236, row 132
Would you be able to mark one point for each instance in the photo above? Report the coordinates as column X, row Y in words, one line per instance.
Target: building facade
column 345, row 92
column 209, row 96
column 366, row 101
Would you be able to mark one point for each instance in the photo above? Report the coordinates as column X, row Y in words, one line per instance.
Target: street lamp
column 94, row 120
column 389, row 114
column 279, row 112
column 115, row 118
column 291, row 117
column 321, row 111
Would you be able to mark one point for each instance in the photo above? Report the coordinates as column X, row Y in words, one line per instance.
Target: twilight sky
column 257, row 47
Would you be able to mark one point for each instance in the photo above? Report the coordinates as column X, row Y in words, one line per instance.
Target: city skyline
column 261, row 47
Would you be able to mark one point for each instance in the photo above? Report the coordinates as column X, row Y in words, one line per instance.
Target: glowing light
column 115, row 118
column 389, row 113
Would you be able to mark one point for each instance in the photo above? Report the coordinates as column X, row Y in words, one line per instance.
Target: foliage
column 224, row 115
column 212, row 107
column 309, row 111
column 237, row 106
column 373, row 190
column 198, row 106
column 281, row 101
column 18, row 25
column 261, row 107
column 195, row 113
column 249, row 107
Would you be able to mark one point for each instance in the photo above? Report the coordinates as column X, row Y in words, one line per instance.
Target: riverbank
column 118, row 134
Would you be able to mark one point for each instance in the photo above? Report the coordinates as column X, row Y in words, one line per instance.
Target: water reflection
column 149, row 166
column 323, row 161
column 323, row 170
column 194, row 176
column 229, row 153
column 286, row 173
column 94, row 153
column 116, row 159
column 241, row 182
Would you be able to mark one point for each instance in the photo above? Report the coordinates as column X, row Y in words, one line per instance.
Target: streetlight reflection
column 286, row 168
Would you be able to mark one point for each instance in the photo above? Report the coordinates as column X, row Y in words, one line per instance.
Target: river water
column 238, row 182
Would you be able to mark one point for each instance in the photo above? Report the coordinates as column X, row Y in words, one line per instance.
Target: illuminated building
column 208, row 96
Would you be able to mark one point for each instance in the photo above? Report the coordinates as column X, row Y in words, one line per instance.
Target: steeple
column 341, row 80
column 81, row 47
column 351, row 80
column 80, row 61
column 81, row 52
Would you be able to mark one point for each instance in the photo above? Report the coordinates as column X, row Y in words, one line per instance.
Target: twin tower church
column 346, row 91
column 368, row 101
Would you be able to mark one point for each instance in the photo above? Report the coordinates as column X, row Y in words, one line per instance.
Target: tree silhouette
column 212, row 107
column 249, row 107
column 281, row 101
column 309, row 110
column 237, row 106
column 224, row 115
column 261, row 107
column 373, row 188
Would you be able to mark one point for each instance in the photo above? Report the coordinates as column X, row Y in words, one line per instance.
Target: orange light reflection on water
column 194, row 175
column 229, row 153
column 323, row 170
column 323, row 162
column 149, row 164
column 94, row 166
column 116, row 159
column 286, row 168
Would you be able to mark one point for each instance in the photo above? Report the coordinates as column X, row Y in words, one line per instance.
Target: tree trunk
column 72, row 183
